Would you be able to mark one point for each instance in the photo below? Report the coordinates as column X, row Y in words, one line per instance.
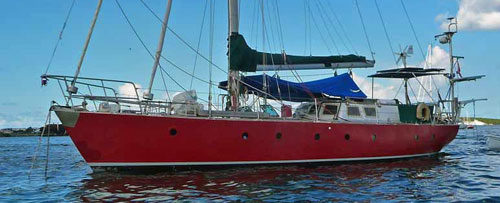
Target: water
column 466, row 170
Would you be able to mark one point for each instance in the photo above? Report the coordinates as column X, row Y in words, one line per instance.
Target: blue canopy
column 340, row 86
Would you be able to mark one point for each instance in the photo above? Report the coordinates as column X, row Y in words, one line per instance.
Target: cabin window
column 312, row 110
column 330, row 110
column 353, row 111
column 370, row 112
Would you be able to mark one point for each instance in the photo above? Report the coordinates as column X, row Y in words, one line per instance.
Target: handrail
column 66, row 78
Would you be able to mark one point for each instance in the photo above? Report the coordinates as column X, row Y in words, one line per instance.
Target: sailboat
column 335, row 121
column 467, row 124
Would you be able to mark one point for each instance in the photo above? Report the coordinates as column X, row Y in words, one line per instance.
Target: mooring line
column 33, row 160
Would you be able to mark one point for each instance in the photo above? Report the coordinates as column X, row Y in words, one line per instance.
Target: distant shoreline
column 30, row 135
column 490, row 121
column 49, row 130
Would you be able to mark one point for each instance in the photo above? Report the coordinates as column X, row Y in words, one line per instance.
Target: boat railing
column 105, row 90
column 97, row 90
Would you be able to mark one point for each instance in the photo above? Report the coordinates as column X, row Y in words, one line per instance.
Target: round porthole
column 278, row 136
column 374, row 137
column 416, row 137
column 173, row 131
column 316, row 136
column 244, row 136
column 347, row 137
column 433, row 136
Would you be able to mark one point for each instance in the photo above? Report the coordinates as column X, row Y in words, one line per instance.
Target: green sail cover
column 243, row 58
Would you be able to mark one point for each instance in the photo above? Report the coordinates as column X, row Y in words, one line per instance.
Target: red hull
column 134, row 140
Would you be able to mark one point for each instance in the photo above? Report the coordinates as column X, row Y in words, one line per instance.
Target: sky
column 29, row 30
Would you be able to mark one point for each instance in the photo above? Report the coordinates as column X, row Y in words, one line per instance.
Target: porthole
column 374, row 137
column 244, row 135
column 433, row 136
column 347, row 137
column 316, row 136
column 173, row 131
column 416, row 137
column 278, row 136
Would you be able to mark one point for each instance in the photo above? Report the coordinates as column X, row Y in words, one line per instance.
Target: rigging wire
column 319, row 31
column 164, row 85
column 280, row 36
column 386, row 33
column 414, row 95
column 46, row 168
column 279, row 25
column 307, row 18
column 341, row 26
column 423, row 87
column 397, row 92
column 326, row 27
column 199, row 42
column 321, row 7
column 253, row 22
column 181, row 39
column 413, row 30
column 416, row 38
column 175, row 65
column 143, row 44
column 205, row 58
column 305, row 27
column 60, row 36
column 184, row 89
column 35, row 156
column 271, row 29
column 364, row 29
column 269, row 43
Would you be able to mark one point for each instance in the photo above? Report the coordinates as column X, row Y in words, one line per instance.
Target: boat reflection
column 278, row 182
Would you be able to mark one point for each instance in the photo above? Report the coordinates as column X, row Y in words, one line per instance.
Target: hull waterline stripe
column 252, row 162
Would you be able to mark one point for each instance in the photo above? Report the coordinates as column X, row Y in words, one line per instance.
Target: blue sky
column 29, row 31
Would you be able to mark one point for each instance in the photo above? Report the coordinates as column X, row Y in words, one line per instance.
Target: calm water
column 465, row 171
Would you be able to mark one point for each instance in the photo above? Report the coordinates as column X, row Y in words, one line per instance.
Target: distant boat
column 467, row 124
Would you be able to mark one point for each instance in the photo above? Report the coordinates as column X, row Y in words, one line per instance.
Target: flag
column 459, row 72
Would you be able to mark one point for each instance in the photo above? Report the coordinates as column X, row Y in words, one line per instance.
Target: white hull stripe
column 252, row 162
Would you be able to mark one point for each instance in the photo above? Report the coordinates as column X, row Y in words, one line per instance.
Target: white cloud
column 128, row 90
column 476, row 15
column 379, row 91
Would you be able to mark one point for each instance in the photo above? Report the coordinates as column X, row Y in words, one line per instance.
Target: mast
column 148, row 95
column 452, row 75
column 234, row 75
column 446, row 38
column 72, row 89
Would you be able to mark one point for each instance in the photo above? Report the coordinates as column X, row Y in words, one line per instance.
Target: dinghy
column 493, row 142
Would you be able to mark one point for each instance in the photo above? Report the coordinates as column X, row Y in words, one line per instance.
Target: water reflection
column 338, row 181
column 465, row 171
